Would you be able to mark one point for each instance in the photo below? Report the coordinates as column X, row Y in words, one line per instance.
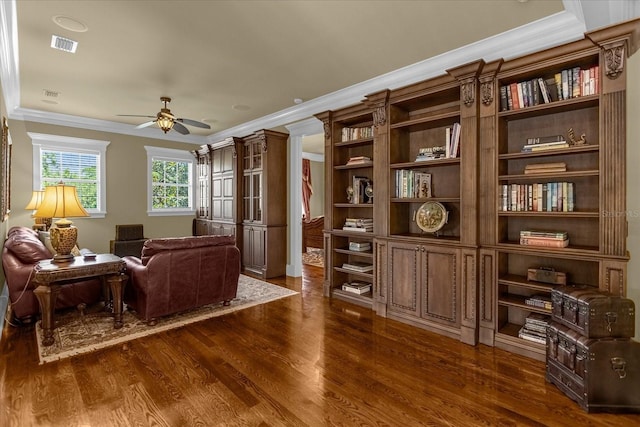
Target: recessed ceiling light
column 64, row 44
column 69, row 23
column 240, row 107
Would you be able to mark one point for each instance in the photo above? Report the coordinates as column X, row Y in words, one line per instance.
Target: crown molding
column 58, row 119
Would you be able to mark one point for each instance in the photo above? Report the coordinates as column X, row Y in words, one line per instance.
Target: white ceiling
column 239, row 65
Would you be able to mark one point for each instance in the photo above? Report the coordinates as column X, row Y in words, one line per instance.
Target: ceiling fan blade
column 133, row 115
column 169, row 115
column 180, row 128
column 144, row 125
column 195, row 123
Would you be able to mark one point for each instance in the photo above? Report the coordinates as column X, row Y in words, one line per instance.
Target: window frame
column 41, row 141
column 170, row 154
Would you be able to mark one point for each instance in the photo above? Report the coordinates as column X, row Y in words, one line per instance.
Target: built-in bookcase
column 349, row 160
column 591, row 162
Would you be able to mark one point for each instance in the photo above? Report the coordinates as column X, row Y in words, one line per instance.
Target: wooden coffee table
column 50, row 277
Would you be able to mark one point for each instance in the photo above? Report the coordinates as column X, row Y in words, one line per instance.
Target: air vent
column 61, row 43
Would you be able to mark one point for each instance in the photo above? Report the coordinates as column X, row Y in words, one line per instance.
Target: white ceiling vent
column 50, row 93
column 61, row 43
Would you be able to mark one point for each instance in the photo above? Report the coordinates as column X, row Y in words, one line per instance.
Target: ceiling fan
column 167, row 121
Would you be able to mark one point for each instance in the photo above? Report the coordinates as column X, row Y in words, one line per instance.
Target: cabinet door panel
column 440, row 287
column 404, row 278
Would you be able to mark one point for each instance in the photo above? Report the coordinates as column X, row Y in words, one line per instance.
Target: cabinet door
column 404, row 264
column 254, row 248
column 440, row 287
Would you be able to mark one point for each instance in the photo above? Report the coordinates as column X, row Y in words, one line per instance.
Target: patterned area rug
column 77, row 334
column 313, row 256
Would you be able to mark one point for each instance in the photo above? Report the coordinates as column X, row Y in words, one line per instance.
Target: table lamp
column 61, row 201
column 34, row 204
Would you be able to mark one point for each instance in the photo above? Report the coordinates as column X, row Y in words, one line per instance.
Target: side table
column 50, row 276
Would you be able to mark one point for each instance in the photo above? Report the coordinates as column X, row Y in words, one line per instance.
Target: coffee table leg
column 116, row 285
column 47, row 296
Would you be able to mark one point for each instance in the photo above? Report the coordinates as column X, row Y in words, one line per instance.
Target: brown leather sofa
column 181, row 273
column 21, row 251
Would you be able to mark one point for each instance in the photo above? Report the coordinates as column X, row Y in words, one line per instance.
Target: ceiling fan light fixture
column 165, row 123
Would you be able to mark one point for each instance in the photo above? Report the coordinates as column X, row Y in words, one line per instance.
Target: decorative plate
column 431, row 216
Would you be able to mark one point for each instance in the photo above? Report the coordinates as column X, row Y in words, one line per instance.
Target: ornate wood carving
column 327, row 129
column 486, row 92
column 614, row 60
column 379, row 116
column 467, row 92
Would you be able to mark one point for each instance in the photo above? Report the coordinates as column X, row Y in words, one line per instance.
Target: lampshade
column 165, row 123
column 34, row 203
column 61, row 201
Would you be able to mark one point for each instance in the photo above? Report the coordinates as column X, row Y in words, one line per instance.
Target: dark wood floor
column 300, row 361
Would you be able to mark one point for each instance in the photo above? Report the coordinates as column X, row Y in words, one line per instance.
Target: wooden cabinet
column 264, row 203
column 427, row 214
column 351, row 192
column 218, row 197
column 581, row 192
column 424, row 285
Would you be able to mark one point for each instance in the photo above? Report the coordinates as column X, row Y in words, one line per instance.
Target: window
column 171, row 177
column 74, row 161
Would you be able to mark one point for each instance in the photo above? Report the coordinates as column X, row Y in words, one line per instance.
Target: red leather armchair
column 181, row 273
column 21, row 251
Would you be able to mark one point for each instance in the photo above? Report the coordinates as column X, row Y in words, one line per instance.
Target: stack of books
column 431, row 153
column 535, row 328
column 359, row 160
column 539, row 300
column 551, row 239
column 362, row 225
column 544, row 143
column 545, row 168
column 360, row 267
column 412, row 184
column 356, row 287
column 360, row 246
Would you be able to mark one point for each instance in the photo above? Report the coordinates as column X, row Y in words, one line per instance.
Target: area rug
column 76, row 334
column 313, row 256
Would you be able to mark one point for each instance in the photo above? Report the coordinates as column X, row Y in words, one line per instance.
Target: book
column 542, row 233
column 356, row 287
column 544, row 242
column 534, row 148
column 455, row 140
column 359, row 246
column 358, row 229
column 358, row 266
column 545, row 168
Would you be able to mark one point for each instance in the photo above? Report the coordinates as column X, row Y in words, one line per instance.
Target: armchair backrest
column 155, row 246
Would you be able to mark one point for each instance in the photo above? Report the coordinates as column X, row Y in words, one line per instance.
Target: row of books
column 358, row 288
column 351, row 133
column 358, row 266
column 358, row 224
column 566, row 84
column 412, row 184
column 535, row 328
column 537, row 197
column 549, row 239
column 359, row 160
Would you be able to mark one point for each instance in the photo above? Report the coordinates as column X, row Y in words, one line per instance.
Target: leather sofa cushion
column 154, row 246
column 26, row 246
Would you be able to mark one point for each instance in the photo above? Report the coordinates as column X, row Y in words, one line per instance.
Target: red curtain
column 307, row 189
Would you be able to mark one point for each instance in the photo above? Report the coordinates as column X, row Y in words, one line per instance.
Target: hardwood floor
column 300, row 361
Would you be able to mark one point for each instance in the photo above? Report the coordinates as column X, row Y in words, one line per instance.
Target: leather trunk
column 592, row 313
column 600, row 374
